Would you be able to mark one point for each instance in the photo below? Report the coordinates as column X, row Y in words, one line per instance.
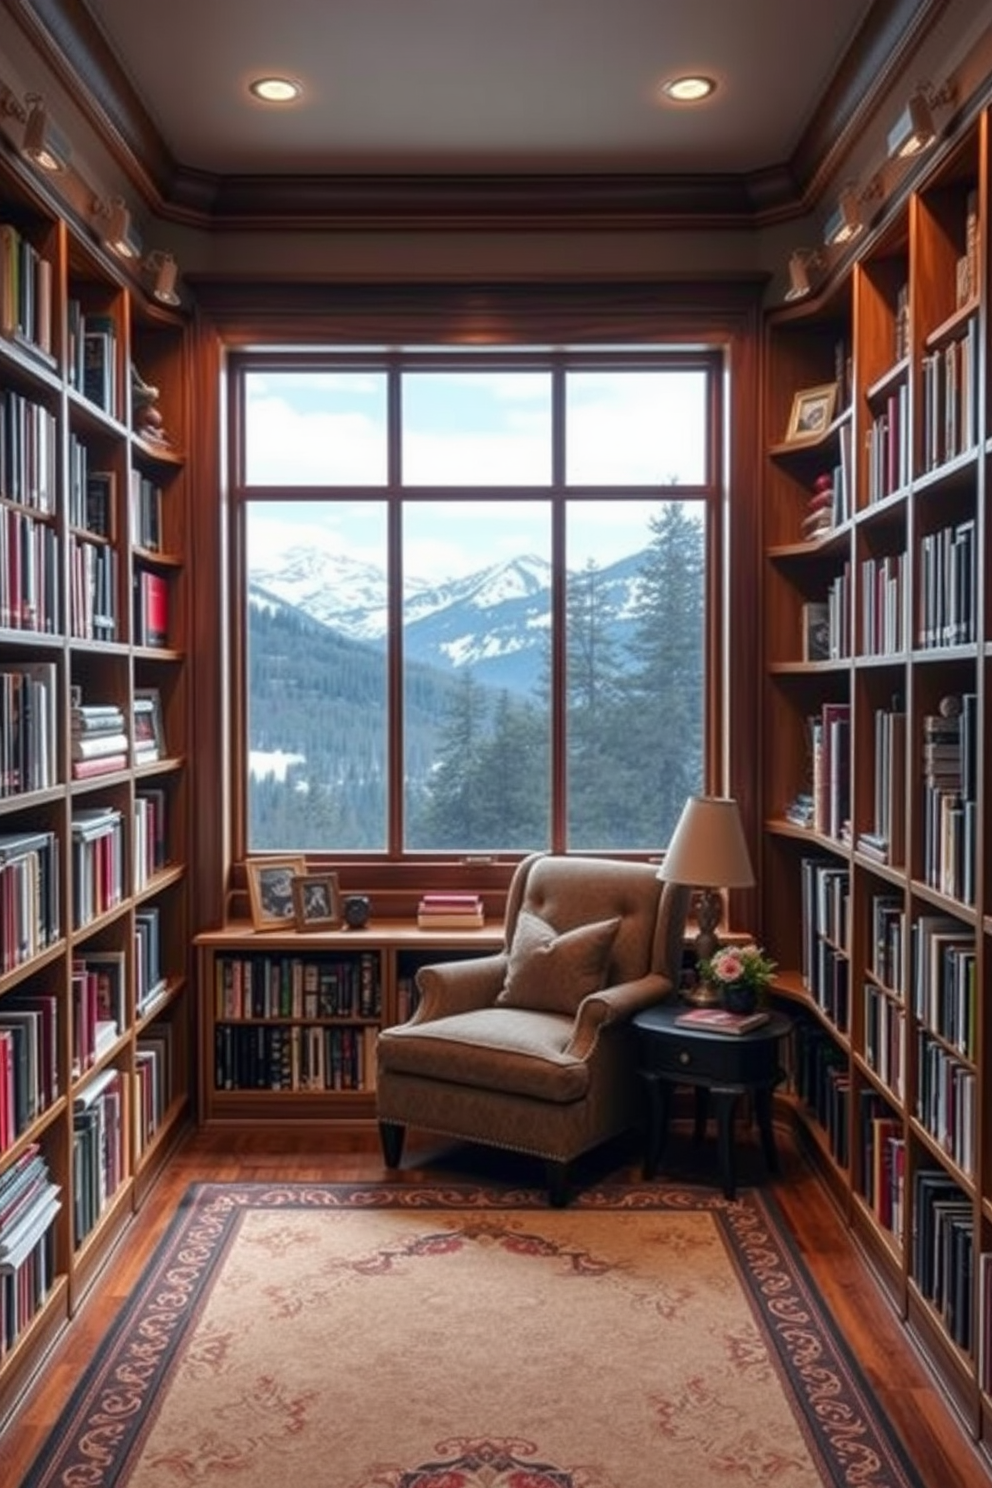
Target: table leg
column 701, row 1109
column 763, row 1111
column 726, row 1102
column 659, row 1097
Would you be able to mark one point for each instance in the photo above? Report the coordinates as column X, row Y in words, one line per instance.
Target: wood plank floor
column 941, row 1449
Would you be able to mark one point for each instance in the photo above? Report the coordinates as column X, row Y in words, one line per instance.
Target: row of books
column 29, row 1075
column 97, row 862
column 28, row 727
column 151, row 608
column 146, row 512
column 25, row 292
column 150, row 835
column 450, row 911
column 150, row 978
column 99, row 1156
column 943, row 1250
column 830, row 743
column 826, row 622
column 29, row 572
column 30, row 915
column 29, row 1205
column 28, row 452
column 279, row 1056
column 884, row 590
column 888, row 925
column 822, row 1082
column 91, row 493
column 99, row 1015
column 93, row 357
column 153, row 1076
column 885, row 842
column 950, row 398
column 944, row 990
column 949, row 805
column 947, row 608
column 885, row 1038
column 273, row 986
column 93, row 581
column 945, row 1100
column 883, row 1163
column 888, row 445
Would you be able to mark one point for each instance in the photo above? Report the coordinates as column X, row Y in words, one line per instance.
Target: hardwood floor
column 942, row 1451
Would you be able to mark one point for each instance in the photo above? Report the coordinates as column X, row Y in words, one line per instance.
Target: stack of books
column 99, row 740
column 450, row 912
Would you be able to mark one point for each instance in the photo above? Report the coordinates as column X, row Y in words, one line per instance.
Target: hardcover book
column 720, row 1020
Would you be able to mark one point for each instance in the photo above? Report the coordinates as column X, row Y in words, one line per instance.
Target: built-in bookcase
column 288, row 1021
column 95, row 1006
column 875, row 882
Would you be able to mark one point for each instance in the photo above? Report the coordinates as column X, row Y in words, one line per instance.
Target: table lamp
column 708, row 851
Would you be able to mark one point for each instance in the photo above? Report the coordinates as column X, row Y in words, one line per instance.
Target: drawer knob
column 684, row 1057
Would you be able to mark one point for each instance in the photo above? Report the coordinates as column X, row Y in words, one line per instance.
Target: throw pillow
column 551, row 973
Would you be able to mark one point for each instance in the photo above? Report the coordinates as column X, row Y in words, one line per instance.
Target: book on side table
column 720, row 1020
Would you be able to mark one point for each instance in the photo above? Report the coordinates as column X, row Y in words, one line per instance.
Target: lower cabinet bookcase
column 288, row 1020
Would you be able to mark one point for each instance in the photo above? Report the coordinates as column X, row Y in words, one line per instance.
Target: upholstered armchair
column 530, row 1048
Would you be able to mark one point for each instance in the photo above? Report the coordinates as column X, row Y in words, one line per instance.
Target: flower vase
column 738, row 997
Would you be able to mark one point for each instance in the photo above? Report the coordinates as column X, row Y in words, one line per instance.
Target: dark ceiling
column 443, row 105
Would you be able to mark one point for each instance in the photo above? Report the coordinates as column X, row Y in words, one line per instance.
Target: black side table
column 726, row 1065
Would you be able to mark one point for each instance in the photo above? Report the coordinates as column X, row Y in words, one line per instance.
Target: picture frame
column 316, row 901
column 270, row 890
column 147, row 726
column 812, row 413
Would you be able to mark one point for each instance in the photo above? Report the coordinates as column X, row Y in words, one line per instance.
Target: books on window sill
column 450, row 912
column 720, row 1020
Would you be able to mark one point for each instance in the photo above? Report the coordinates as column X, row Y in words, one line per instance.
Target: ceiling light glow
column 689, row 89
column 275, row 89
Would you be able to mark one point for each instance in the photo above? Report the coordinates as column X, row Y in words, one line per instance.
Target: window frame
column 557, row 361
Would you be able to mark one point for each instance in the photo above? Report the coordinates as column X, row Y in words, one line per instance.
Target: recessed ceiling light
column 275, row 89
column 688, row 89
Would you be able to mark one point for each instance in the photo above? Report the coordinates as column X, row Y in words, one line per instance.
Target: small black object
column 356, row 911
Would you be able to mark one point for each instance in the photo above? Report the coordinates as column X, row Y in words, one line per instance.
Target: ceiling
column 483, row 89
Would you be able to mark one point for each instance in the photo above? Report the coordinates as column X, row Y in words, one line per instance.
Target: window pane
column 315, row 428
column 316, row 676
column 635, row 682
column 476, row 428
column 476, row 675
column 637, row 428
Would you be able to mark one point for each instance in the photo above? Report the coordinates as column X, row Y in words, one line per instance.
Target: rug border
column 781, row 1295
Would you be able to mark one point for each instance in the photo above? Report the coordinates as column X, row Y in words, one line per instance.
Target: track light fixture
column 43, row 143
column 803, row 265
column 118, row 234
column 915, row 131
column 166, row 271
column 846, row 222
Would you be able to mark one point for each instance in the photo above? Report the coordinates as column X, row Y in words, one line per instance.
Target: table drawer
column 693, row 1058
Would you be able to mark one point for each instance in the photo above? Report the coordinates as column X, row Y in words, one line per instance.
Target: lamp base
column 702, row 995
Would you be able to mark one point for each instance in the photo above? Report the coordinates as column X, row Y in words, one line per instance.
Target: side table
column 724, row 1065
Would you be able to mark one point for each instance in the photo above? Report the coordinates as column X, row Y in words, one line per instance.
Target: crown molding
column 69, row 42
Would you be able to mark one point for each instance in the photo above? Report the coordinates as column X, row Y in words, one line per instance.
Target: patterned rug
column 458, row 1336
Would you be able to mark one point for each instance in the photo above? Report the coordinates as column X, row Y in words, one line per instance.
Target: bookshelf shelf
column 95, row 1076
column 876, row 906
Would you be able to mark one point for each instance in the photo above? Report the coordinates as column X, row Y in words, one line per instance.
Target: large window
column 478, row 596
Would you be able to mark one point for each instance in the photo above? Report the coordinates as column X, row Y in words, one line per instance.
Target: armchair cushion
column 551, row 973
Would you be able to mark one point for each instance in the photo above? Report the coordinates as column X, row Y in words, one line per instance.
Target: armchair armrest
column 459, row 986
column 614, row 1005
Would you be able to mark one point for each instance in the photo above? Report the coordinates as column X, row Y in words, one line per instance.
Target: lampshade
column 708, row 847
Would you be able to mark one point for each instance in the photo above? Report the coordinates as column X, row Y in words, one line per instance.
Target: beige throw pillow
column 551, row 973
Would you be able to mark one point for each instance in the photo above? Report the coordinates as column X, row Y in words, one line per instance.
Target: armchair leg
column 556, row 1176
column 391, row 1135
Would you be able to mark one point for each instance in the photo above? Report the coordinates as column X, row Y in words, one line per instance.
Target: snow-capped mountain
column 495, row 620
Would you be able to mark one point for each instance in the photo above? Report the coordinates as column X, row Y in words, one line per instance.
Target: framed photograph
column 812, row 411
column 270, row 890
column 316, row 901
column 148, row 728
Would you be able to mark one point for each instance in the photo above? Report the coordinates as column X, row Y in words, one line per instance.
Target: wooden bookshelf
column 875, row 883
column 95, row 1006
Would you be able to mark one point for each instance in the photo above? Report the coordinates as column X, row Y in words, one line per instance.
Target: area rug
column 461, row 1336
